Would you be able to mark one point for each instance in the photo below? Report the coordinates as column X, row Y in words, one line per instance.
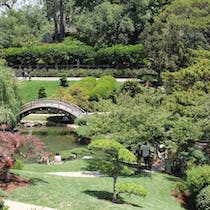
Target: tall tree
column 9, row 99
column 182, row 25
column 56, row 9
column 105, row 25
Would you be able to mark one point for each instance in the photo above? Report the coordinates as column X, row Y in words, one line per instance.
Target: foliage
column 195, row 77
column 203, row 199
column 122, row 56
column 22, row 27
column 130, row 188
column 195, row 156
column 180, row 187
column 9, row 98
column 75, row 53
column 197, row 178
column 70, row 51
column 132, row 87
column 19, row 164
column 114, row 160
column 105, row 85
column 42, row 93
column 15, row 144
column 64, row 82
column 105, row 25
column 180, row 26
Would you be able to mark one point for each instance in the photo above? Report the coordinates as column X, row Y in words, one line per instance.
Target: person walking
column 138, row 156
column 145, row 151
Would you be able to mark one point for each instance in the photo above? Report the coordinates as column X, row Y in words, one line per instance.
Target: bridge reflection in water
column 51, row 105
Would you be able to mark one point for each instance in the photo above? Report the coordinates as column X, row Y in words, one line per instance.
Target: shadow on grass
column 107, row 196
column 36, row 181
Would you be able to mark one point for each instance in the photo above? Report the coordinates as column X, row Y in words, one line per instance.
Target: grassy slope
column 66, row 193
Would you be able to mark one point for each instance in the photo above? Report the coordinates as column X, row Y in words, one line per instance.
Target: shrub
column 104, row 88
column 180, row 187
column 130, row 188
column 64, row 82
column 87, row 84
column 203, row 199
column 19, row 164
column 195, row 156
column 132, row 87
column 198, row 178
column 42, row 93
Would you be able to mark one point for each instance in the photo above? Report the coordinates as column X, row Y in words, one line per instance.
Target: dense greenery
column 9, row 98
column 203, row 199
column 73, row 52
column 111, row 33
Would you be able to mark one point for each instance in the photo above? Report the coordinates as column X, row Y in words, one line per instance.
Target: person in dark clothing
column 138, row 156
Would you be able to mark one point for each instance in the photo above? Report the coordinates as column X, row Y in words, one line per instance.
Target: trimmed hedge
column 74, row 52
column 104, row 87
column 203, row 199
column 122, row 56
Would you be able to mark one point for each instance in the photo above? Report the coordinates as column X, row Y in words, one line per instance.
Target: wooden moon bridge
column 51, row 105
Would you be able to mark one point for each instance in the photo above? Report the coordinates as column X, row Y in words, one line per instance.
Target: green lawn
column 66, row 193
column 29, row 89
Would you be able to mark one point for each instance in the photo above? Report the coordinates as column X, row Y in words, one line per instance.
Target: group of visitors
column 143, row 151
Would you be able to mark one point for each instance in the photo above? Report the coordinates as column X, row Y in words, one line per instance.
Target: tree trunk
column 62, row 22
column 114, row 197
column 6, row 175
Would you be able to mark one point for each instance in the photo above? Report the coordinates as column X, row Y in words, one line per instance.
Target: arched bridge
column 52, row 105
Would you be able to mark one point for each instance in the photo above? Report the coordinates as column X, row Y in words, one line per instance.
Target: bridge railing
column 52, row 101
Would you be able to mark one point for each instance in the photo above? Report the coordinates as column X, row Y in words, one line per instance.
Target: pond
column 55, row 139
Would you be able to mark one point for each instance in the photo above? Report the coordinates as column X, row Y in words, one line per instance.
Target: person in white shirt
column 145, row 152
column 57, row 159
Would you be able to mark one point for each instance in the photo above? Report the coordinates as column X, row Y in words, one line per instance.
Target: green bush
column 198, row 178
column 42, row 93
column 19, row 164
column 203, row 199
column 104, row 88
column 122, row 56
column 87, row 84
column 195, row 156
column 130, row 188
column 63, row 81
column 132, row 87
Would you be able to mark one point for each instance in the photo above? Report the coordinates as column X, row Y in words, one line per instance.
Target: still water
column 54, row 138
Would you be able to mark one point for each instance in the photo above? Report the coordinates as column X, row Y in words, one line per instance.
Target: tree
column 181, row 25
column 24, row 27
column 15, row 144
column 56, row 9
column 114, row 163
column 9, row 98
column 105, row 25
